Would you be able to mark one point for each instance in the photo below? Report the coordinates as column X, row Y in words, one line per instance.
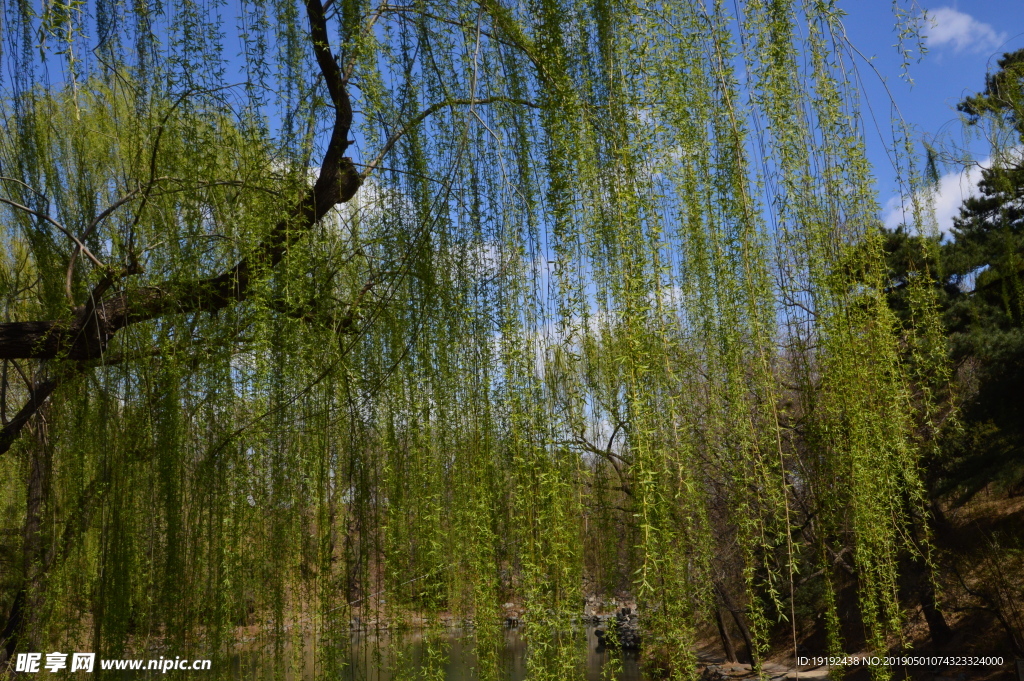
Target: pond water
column 450, row 655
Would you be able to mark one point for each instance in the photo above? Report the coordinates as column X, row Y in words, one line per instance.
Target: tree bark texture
column 20, row 629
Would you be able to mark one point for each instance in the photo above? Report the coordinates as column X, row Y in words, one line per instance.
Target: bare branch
column 69, row 275
column 26, row 186
column 616, row 460
column 68, row 234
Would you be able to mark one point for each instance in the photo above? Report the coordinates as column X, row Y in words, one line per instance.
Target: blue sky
column 964, row 40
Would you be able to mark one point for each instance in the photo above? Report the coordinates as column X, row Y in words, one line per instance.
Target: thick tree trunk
column 723, row 632
column 938, row 628
column 940, row 632
column 737, row 616
column 22, row 627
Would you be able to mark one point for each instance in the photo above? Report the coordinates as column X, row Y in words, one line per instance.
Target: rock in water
column 625, row 632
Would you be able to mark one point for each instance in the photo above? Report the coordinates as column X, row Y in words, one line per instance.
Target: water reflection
column 451, row 655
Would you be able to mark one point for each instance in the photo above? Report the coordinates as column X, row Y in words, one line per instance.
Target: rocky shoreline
column 622, row 632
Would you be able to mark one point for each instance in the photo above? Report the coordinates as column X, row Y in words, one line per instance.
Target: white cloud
column 954, row 187
column 962, row 31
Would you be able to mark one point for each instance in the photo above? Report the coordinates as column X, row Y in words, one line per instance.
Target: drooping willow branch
column 423, row 115
column 86, row 334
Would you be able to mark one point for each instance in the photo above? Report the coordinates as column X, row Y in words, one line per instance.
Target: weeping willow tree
column 356, row 311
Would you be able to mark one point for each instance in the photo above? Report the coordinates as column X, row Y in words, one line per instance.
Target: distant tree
column 978, row 277
column 983, row 268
